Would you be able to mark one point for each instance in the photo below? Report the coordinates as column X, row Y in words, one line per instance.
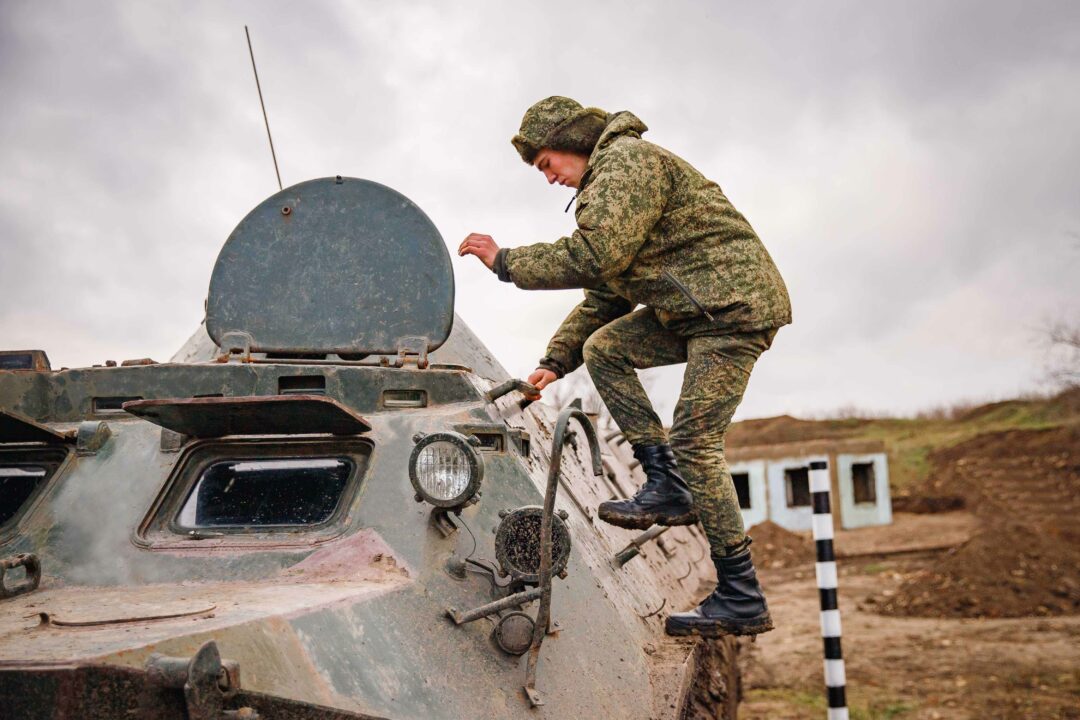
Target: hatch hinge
column 206, row 679
column 236, row 347
column 91, row 436
column 412, row 349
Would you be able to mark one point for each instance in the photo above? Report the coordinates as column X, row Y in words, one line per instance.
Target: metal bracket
column 172, row 441
column 441, row 521
column 522, row 440
column 91, row 437
column 205, row 678
column 236, row 346
column 409, row 347
column 32, row 564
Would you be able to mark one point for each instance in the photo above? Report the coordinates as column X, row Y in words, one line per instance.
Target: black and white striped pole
column 826, row 581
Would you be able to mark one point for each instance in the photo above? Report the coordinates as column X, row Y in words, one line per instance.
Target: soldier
column 653, row 231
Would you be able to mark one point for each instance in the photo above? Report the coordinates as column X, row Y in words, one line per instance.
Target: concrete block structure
column 749, row 479
column 863, row 482
column 773, row 482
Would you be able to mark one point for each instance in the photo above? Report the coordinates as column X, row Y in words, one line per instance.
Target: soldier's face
column 559, row 166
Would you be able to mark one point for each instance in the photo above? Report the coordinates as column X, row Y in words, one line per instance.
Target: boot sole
column 719, row 628
column 644, row 522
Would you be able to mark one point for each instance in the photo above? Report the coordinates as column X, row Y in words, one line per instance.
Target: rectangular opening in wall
column 404, row 398
column 864, row 483
column 106, row 405
column 797, row 484
column 742, row 489
column 490, row 441
column 302, row 385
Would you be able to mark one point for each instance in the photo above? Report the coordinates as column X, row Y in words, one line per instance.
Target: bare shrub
column 1063, row 340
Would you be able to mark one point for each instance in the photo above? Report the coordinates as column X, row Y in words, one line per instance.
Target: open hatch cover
column 336, row 265
column 257, row 415
column 15, row 428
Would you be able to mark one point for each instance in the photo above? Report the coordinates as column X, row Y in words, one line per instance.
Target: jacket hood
column 619, row 124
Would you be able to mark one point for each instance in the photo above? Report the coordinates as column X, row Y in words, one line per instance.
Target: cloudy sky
column 912, row 167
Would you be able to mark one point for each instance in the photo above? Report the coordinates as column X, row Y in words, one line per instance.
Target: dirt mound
column 786, row 429
column 1062, row 406
column 775, row 547
column 927, row 504
column 996, row 574
column 1024, row 486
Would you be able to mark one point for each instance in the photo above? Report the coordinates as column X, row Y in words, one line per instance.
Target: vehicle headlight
column 445, row 469
column 517, row 543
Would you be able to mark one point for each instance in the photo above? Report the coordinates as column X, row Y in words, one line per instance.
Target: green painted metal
column 14, row 428
column 346, row 265
column 272, row 415
column 350, row 616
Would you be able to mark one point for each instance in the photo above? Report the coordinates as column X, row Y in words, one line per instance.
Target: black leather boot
column 736, row 607
column 664, row 499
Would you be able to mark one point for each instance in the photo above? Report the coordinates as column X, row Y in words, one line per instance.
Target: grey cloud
column 909, row 165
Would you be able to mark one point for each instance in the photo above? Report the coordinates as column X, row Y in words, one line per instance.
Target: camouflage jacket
column 652, row 230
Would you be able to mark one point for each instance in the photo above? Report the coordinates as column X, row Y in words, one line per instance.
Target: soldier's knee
column 595, row 351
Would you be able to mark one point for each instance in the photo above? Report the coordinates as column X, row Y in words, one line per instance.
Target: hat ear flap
column 526, row 149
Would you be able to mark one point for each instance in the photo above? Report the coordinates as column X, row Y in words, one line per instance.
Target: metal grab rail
column 529, row 391
column 543, row 613
column 633, row 548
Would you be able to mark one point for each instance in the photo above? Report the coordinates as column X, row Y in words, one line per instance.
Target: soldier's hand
column 482, row 246
column 541, row 378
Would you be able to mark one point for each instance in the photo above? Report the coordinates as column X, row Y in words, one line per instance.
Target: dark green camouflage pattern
column 649, row 222
column 717, row 371
column 558, row 123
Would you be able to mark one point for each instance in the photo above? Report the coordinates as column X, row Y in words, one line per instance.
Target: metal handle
column 633, row 549
column 32, row 564
column 543, row 614
column 529, row 391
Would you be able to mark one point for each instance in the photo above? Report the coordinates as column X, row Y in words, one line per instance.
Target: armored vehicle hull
column 252, row 532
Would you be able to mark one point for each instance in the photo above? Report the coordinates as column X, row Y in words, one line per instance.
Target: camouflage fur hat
column 559, row 123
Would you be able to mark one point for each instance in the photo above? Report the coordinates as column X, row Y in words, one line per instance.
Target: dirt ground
column 1023, row 486
column 904, row 667
column 968, row 607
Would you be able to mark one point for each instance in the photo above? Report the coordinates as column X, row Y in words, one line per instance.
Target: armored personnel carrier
column 333, row 502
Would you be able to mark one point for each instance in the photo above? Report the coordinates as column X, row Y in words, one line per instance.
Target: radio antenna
column 263, row 105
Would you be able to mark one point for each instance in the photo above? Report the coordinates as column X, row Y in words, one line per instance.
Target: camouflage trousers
column 717, row 371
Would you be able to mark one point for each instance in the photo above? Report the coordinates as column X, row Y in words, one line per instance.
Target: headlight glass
column 443, row 470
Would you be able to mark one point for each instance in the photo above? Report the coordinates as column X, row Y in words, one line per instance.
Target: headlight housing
column 445, row 470
column 517, row 543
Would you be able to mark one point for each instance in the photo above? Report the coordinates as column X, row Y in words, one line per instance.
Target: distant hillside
column 910, row 442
